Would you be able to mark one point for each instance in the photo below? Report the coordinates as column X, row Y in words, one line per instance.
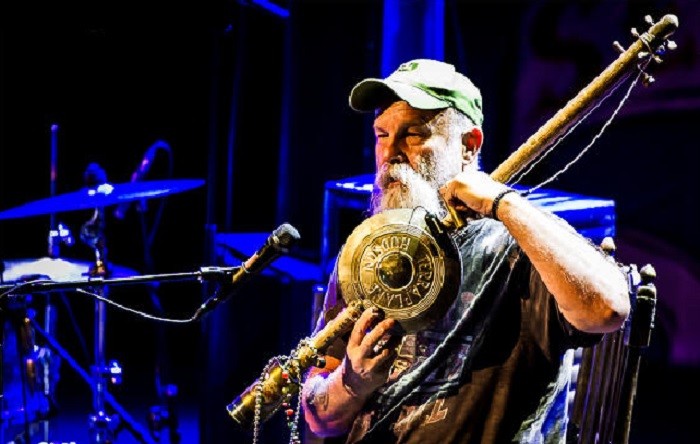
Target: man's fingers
column 385, row 358
column 367, row 318
column 373, row 338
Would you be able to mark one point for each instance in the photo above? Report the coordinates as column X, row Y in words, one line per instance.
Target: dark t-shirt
column 488, row 370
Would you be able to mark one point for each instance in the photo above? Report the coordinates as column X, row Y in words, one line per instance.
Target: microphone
column 139, row 173
column 279, row 242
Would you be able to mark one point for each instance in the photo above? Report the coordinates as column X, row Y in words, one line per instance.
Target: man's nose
column 393, row 152
column 398, row 158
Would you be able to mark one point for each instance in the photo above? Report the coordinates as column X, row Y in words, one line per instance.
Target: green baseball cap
column 424, row 84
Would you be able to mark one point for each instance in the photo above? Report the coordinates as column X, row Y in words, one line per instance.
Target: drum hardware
column 162, row 419
column 27, row 396
column 96, row 195
column 121, row 419
column 102, row 426
column 61, row 235
column 58, row 234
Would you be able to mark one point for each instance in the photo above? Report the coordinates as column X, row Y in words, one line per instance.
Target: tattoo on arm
column 317, row 397
column 321, row 400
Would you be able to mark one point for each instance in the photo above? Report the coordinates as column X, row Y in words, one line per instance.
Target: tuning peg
column 671, row 45
column 618, row 47
column 657, row 59
column 634, row 33
column 648, row 20
column 608, row 245
column 648, row 273
column 642, row 54
column 647, row 80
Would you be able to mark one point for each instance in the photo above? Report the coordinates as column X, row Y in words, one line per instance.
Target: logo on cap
column 408, row 66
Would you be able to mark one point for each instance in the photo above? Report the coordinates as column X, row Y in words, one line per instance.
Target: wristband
column 497, row 201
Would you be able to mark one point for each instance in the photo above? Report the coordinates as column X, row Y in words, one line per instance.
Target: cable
column 134, row 311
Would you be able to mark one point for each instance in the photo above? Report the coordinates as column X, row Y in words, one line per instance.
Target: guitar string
column 521, row 175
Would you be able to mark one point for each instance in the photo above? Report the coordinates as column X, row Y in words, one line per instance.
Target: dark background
column 256, row 104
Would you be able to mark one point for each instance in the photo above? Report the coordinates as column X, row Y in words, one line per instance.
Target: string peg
column 648, row 274
column 648, row 20
column 642, row 54
column 634, row 33
column 608, row 245
column 671, row 45
column 618, row 47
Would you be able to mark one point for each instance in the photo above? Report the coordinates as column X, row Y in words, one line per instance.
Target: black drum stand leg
column 125, row 419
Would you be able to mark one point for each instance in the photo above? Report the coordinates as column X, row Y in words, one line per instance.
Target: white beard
column 400, row 186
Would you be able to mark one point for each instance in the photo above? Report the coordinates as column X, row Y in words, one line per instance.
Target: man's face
column 414, row 155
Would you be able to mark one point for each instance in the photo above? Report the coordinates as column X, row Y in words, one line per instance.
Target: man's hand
column 369, row 353
column 472, row 189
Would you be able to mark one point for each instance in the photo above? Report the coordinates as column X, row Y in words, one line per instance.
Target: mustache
column 413, row 190
column 395, row 172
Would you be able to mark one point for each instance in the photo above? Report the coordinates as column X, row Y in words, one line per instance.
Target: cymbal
column 58, row 269
column 101, row 196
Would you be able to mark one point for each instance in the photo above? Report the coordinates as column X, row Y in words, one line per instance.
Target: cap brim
column 371, row 94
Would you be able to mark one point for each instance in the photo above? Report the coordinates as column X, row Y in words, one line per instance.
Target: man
column 493, row 368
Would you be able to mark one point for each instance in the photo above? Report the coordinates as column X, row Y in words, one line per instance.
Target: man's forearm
column 590, row 290
column 330, row 406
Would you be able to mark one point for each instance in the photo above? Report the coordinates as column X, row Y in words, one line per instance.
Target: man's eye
column 414, row 137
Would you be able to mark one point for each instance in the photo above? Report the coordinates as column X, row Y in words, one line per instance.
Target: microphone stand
column 208, row 273
column 102, row 426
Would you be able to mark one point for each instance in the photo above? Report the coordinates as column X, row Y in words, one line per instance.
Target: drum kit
column 31, row 356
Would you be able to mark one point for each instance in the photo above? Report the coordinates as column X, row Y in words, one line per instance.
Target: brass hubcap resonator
column 405, row 263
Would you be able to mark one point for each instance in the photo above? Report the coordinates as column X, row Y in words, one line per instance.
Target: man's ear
column 471, row 144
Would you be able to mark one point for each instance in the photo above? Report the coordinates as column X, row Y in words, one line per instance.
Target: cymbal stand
column 58, row 234
column 102, row 426
column 53, row 242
